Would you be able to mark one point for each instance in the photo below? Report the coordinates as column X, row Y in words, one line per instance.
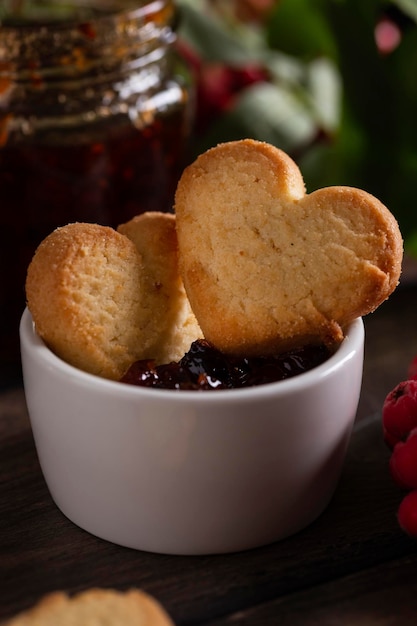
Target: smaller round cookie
column 173, row 326
column 98, row 607
column 84, row 289
column 268, row 267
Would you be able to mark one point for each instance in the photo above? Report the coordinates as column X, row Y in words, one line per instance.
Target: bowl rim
column 352, row 342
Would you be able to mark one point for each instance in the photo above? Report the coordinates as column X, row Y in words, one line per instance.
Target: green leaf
column 214, row 41
column 268, row 113
column 276, row 115
column 317, row 83
column 411, row 244
column 284, row 68
column 408, row 7
column 300, row 28
column 325, row 93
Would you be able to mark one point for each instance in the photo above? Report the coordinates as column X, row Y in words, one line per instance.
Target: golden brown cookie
column 84, row 289
column 174, row 326
column 266, row 266
column 95, row 607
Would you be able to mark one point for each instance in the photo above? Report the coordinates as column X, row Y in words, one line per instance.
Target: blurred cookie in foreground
column 268, row 267
column 94, row 607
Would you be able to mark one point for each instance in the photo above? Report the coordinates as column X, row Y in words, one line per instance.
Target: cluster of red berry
column 399, row 420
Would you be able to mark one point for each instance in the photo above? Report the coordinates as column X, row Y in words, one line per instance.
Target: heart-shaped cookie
column 267, row 267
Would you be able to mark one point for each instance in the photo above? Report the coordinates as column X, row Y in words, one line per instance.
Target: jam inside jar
column 95, row 118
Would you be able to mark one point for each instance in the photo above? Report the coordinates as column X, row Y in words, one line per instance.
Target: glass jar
column 95, row 117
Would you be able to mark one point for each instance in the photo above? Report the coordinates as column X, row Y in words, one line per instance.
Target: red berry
column 403, row 462
column 407, row 514
column 390, row 440
column 399, row 412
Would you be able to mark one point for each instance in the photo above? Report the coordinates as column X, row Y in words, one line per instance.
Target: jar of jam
column 95, row 117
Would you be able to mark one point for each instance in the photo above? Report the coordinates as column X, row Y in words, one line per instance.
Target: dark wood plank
column 381, row 596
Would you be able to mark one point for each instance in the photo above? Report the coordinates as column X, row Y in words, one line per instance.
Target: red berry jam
column 204, row 367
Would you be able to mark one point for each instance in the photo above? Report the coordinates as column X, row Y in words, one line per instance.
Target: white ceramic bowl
column 186, row 472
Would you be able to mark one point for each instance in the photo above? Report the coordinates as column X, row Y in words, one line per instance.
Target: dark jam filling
column 205, row 368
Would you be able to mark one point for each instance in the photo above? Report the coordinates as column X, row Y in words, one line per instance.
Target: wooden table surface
column 353, row 565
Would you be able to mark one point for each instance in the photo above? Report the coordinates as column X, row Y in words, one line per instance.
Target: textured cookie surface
column 174, row 326
column 266, row 266
column 95, row 607
column 84, row 289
